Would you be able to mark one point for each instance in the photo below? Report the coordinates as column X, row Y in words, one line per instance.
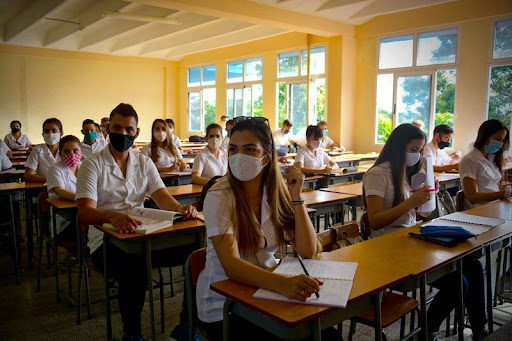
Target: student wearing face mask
column 311, row 158
column 16, row 140
column 443, row 135
column 162, row 151
column 105, row 121
column 46, row 154
column 212, row 161
column 249, row 214
column 282, row 139
column 91, row 143
column 327, row 142
column 481, row 170
column 175, row 139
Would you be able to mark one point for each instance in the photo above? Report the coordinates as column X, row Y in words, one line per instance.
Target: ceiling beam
column 35, row 11
column 329, row 4
column 381, row 7
column 259, row 14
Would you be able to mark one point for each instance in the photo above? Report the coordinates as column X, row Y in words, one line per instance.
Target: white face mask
column 214, row 143
column 160, row 135
column 51, row 139
column 171, row 130
column 412, row 158
column 245, row 167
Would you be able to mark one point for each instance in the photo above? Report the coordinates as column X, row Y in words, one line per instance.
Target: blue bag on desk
column 453, row 232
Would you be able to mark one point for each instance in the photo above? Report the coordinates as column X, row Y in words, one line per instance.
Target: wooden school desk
column 448, row 180
column 186, row 194
column 354, row 189
column 326, row 203
column 18, row 174
column 19, row 164
column 187, row 232
column 176, row 178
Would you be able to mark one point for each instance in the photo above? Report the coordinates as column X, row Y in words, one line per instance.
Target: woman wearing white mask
column 212, row 160
column 175, row 139
column 312, row 159
column 249, row 214
column 161, row 150
column 481, row 170
column 46, row 154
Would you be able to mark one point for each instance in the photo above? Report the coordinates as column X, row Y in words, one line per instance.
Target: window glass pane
column 281, row 103
column 238, row 103
column 304, row 63
column 209, row 75
column 253, row 69
column 247, row 101
column 288, row 64
column 297, row 100
column 437, row 47
column 396, row 52
column 208, row 107
column 230, row 100
column 317, row 61
column 194, row 76
column 503, row 40
column 319, row 100
column 413, row 99
column 257, row 100
column 445, row 97
column 194, row 111
column 235, row 72
column 500, row 88
column 384, row 107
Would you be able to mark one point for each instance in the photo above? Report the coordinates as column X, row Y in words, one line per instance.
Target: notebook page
column 475, row 229
column 473, row 219
column 318, row 268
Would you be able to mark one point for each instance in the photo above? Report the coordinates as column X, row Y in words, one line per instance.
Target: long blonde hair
column 168, row 144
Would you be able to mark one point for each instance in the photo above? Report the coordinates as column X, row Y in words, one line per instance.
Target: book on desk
column 472, row 223
column 152, row 219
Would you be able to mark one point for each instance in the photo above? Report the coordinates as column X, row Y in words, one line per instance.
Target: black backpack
column 206, row 187
column 196, row 138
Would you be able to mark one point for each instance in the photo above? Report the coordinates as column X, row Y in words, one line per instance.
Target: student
column 5, row 148
column 91, row 143
column 249, row 214
column 5, row 163
column 46, row 154
column 311, row 158
column 162, row 150
column 105, row 122
column 327, row 142
column 391, row 206
column 61, row 178
column 16, row 140
column 109, row 183
column 175, row 139
column 282, row 138
column 99, row 133
column 443, row 135
column 212, row 160
column 481, row 168
column 225, row 142
column 223, row 120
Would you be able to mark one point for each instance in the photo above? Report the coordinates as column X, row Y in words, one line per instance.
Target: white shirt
column 41, row 158
column 326, row 142
column 379, row 181
column 309, row 160
column 439, row 156
column 280, row 139
column 101, row 179
column 22, row 142
column 208, row 165
column 225, row 145
column 88, row 150
column 59, row 175
column 165, row 157
column 487, row 175
column 5, row 163
column 176, row 141
column 219, row 208
column 4, row 147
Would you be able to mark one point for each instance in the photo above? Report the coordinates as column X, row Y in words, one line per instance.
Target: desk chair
column 365, row 226
column 193, row 267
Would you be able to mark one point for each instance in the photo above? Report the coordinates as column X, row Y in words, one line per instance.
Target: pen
column 305, row 271
column 428, row 190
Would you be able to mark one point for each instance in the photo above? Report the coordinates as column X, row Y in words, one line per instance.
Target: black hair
column 224, row 116
column 124, row 110
column 171, row 121
column 322, row 123
column 212, row 126
column 314, row 131
column 86, row 122
column 287, row 123
column 230, row 122
column 54, row 121
column 66, row 139
column 443, row 129
column 15, row 122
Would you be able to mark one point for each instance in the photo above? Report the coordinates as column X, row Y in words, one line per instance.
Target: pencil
column 305, row 271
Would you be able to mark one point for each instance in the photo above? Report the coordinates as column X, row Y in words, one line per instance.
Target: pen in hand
column 305, row 271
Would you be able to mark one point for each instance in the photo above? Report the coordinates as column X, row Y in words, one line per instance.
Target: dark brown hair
column 486, row 130
column 168, row 144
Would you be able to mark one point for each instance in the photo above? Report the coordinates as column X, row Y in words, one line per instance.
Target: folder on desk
column 152, row 220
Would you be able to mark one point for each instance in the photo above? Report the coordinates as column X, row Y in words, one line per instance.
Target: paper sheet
column 318, row 268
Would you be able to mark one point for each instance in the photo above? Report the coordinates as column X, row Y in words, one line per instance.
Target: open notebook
column 152, row 220
column 472, row 223
column 337, row 277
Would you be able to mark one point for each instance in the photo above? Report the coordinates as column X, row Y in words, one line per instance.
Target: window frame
column 199, row 88
column 242, row 85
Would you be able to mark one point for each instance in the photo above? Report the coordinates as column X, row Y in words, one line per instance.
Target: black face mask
column 443, row 145
column 286, row 132
column 121, row 142
column 15, row 130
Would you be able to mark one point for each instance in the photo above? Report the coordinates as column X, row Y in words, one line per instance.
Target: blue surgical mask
column 286, row 132
column 325, row 132
column 493, row 147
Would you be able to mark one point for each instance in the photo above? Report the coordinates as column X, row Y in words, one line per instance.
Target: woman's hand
column 327, row 169
column 123, row 222
column 299, row 287
column 421, row 196
column 295, row 181
column 188, row 211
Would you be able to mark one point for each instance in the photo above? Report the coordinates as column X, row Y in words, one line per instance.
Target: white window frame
column 199, row 88
column 242, row 85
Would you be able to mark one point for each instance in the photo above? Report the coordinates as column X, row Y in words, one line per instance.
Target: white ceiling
column 203, row 24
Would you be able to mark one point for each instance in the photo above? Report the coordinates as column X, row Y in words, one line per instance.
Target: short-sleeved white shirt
column 59, row 175
column 326, row 142
column 88, row 150
column 23, row 141
column 101, row 179
column 475, row 166
column 439, row 156
column 5, row 163
column 41, row 158
column 165, row 158
column 4, row 147
column 219, row 210
column 310, row 160
column 208, row 165
column 176, row 141
column 280, row 139
column 225, row 145
column 379, row 181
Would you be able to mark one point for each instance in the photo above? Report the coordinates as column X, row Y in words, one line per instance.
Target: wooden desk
column 176, row 178
column 17, row 174
column 186, row 194
column 18, row 164
column 497, row 209
column 448, row 180
column 354, row 189
column 327, row 203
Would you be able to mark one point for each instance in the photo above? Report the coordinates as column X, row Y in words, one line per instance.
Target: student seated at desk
column 91, row 143
column 5, row 163
column 99, row 133
column 249, row 214
column 212, row 160
column 481, row 168
column 161, row 150
column 61, row 178
column 5, row 148
column 225, row 143
column 282, row 139
column 45, row 154
column 175, row 139
column 391, row 206
column 443, row 135
column 109, row 183
column 223, row 120
column 16, row 139
column 311, row 158
column 327, row 142
column 105, row 121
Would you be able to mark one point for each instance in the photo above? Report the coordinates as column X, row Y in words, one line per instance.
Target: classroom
column 202, row 108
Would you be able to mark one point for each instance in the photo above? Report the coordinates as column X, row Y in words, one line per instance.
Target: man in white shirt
column 16, row 139
column 282, row 138
column 91, row 143
column 105, row 121
column 225, row 143
column 327, row 142
column 108, row 184
column 443, row 135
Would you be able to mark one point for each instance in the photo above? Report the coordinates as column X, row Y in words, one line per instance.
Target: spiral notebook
column 337, row 277
column 472, row 223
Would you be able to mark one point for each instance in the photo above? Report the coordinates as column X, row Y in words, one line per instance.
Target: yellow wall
column 39, row 83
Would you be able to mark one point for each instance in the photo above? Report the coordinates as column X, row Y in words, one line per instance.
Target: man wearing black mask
column 443, row 135
column 15, row 140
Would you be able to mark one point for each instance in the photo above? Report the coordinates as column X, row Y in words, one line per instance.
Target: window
column 420, row 88
column 292, row 88
column 502, row 40
column 201, row 97
column 245, row 90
